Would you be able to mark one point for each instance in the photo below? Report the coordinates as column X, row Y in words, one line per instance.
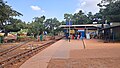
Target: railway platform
column 63, row 49
column 59, row 49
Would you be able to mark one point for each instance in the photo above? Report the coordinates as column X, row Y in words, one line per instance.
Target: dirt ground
column 85, row 63
column 7, row 45
column 96, row 55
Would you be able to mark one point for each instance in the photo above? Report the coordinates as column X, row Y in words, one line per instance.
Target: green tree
column 111, row 12
column 63, row 23
column 14, row 25
column 77, row 18
column 90, row 17
column 52, row 25
column 37, row 26
column 68, row 16
column 80, row 18
column 6, row 16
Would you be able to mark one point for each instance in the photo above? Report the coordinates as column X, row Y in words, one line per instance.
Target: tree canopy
column 111, row 11
column 79, row 18
column 39, row 25
column 6, row 17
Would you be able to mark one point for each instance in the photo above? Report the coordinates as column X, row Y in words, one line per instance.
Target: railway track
column 20, row 57
column 12, row 48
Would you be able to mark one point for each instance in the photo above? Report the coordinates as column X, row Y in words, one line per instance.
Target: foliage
column 24, row 38
column 51, row 25
column 79, row 18
column 22, row 31
column 31, row 37
column 6, row 17
column 37, row 26
column 6, row 13
column 111, row 12
column 15, row 25
column 63, row 23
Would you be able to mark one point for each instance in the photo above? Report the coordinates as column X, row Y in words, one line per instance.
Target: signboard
column 68, row 22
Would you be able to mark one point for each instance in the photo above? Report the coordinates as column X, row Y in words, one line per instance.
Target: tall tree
column 111, row 11
column 37, row 26
column 6, row 15
column 52, row 25
column 80, row 18
column 15, row 25
column 90, row 17
column 67, row 16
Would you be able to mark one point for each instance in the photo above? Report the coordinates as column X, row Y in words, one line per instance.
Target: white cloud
column 88, row 6
column 35, row 7
column 83, row 3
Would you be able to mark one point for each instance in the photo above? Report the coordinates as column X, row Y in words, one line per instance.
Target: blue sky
column 52, row 8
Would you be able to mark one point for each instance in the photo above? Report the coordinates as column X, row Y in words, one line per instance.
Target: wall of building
column 117, row 33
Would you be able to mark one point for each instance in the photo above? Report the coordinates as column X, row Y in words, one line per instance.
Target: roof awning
column 80, row 28
column 83, row 25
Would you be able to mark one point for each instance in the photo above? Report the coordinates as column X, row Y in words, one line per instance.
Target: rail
column 28, row 53
column 12, row 48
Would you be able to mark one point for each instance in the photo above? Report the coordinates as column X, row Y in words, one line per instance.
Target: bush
column 25, row 38
column 50, row 34
column 20, row 37
column 31, row 37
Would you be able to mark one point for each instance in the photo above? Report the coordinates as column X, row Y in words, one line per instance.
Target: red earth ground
column 96, row 55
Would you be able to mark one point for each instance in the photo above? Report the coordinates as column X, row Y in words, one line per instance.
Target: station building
column 83, row 29
column 105, row 32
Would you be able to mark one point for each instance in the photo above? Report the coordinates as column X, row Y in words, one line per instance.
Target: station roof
column 77, row 25
column 83, row 26
column 111, row 27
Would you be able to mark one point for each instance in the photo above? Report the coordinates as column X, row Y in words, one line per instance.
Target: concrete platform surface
column 74, row 49
column 59, row 49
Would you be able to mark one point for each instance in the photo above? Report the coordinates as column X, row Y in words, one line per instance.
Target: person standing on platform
column 41, row 37
column 73, row 36
column 76, row 36
column 38, row 38
column 79, row 35
column 67, row 36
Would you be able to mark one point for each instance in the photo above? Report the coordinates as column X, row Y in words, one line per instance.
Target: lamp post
column 69, row 30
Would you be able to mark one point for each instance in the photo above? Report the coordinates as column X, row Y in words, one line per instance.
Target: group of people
column 41, row 36
column 77, row 35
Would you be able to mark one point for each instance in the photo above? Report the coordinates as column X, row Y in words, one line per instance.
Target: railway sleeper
column 13, row 57
column 10, row 58
column 12, row 62
column 26, row 54
column 12, row 48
